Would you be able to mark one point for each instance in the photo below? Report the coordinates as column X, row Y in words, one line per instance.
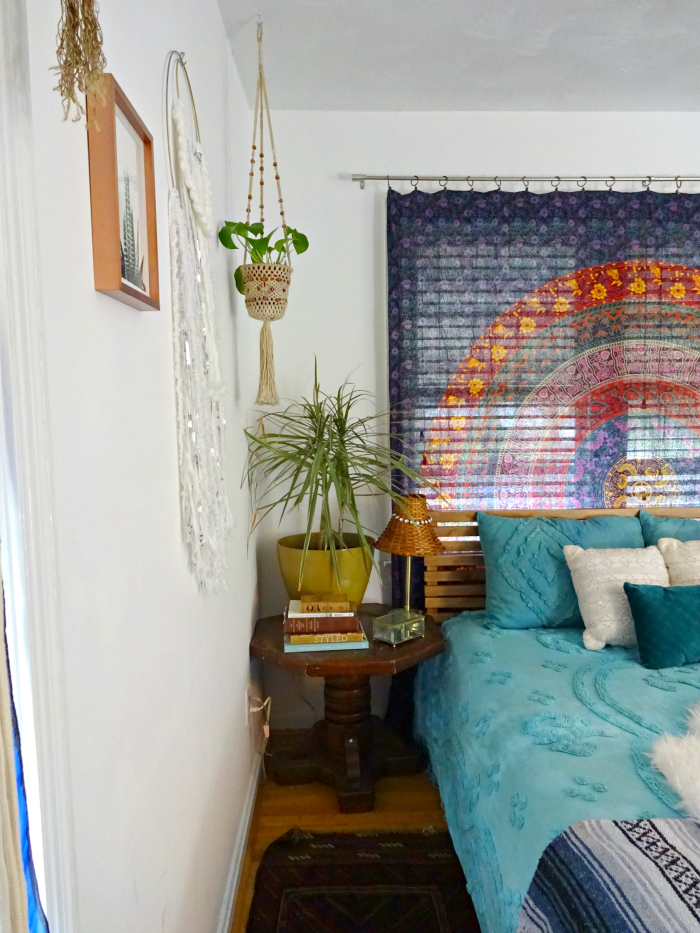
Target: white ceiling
column 471, row 54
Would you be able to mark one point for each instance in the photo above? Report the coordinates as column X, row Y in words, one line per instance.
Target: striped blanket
column 617, row 876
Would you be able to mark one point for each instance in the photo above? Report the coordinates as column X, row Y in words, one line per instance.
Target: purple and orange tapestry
column 545, row 349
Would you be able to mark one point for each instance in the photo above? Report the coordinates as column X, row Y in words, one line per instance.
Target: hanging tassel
column 267, row 390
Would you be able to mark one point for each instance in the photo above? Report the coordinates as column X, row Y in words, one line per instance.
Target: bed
column 529, row 733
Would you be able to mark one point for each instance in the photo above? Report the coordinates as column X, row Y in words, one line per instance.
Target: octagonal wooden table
column 349, row 747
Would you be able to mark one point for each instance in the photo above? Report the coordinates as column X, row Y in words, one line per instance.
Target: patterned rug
column 371, row 882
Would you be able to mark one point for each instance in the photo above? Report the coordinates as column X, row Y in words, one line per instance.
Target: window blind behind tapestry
column 544, row 349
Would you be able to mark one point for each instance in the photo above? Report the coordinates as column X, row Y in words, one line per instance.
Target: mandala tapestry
column 545, row 349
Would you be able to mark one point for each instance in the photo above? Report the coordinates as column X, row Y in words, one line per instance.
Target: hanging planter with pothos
column 266, row 272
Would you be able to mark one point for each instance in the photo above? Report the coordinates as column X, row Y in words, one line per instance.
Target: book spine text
column 326, row 638
column 320, row 624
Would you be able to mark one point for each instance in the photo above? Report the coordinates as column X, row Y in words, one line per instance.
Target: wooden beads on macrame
column 266, row 284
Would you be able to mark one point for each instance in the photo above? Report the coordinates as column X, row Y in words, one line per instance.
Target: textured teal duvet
column 528, row 733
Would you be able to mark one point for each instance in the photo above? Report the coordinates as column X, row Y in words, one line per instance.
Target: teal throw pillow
column 528, row 583
column 667, row 623
column 655, row 527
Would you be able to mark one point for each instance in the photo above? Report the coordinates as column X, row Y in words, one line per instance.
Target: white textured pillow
column 682, row 559
column 598, row 575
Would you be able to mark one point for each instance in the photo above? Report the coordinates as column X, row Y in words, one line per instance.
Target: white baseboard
column 234, row 872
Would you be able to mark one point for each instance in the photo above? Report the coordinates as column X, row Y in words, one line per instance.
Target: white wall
column 156, row 673
column 337, row 307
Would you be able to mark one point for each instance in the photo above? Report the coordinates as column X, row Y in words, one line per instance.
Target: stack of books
column 325, row 622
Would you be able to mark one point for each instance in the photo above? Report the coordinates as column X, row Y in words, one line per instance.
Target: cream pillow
column 682, row 559
column 598, row 575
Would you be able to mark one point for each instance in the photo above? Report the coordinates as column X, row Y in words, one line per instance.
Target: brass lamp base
column 400, row 625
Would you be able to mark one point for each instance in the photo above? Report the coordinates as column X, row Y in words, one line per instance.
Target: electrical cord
column 265, row 707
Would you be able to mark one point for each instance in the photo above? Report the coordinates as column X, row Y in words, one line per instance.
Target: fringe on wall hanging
column 199, row 389
column 266, row 273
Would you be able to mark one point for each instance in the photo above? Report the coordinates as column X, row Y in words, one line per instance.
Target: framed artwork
column 123, row 201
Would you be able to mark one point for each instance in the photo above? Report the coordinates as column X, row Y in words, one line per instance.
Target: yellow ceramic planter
column 354, row 569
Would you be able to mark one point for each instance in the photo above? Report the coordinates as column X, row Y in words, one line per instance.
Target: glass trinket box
column 398, row 626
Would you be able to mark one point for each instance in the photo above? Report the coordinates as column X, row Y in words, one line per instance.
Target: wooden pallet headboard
column 454, row 581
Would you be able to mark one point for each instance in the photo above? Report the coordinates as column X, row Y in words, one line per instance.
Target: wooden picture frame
column 123, row 201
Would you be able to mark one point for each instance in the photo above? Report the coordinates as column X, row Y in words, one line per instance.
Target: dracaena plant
column 321, row 452
column 259, row 246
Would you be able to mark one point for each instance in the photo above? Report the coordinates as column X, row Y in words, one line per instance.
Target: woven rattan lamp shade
column 412, row 536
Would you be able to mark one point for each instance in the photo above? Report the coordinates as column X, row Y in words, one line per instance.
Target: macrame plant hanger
column 199, row 389
column 266, row 283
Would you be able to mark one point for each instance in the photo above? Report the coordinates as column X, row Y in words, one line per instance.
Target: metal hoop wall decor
column 199, row 388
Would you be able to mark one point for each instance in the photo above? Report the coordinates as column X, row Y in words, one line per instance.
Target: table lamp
column 410, row 533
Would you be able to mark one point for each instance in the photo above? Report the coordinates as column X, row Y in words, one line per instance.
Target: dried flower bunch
column 81, row 61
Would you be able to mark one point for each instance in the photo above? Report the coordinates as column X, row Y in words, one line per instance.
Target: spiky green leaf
column 319, row 451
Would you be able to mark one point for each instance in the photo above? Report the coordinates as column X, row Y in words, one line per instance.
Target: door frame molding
column 29, row 556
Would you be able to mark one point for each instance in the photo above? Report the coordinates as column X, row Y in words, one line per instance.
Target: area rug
column 371, row 882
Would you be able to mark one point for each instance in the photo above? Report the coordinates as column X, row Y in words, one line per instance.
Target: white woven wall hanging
column 199, row 389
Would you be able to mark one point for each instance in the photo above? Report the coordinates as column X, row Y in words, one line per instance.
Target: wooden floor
column 401, row 803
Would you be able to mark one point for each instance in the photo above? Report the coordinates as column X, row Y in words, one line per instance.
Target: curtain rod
column 610, row 180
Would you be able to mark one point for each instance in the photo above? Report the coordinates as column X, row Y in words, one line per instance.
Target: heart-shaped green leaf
column 237, row 228
column 226, row 239
column 238, row 277
column 300, row 241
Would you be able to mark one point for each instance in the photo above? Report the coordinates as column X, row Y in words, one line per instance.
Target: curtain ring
column 612, row 183
column 446, row 181
column 558, row 182
column 582, row 186
column 646, row 183
column 678, row 183
column 415, row 183
column 388, row 184
column 497, row 182
column 525, row 182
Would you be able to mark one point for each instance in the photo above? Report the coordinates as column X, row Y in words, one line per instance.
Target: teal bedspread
column 528, row 733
